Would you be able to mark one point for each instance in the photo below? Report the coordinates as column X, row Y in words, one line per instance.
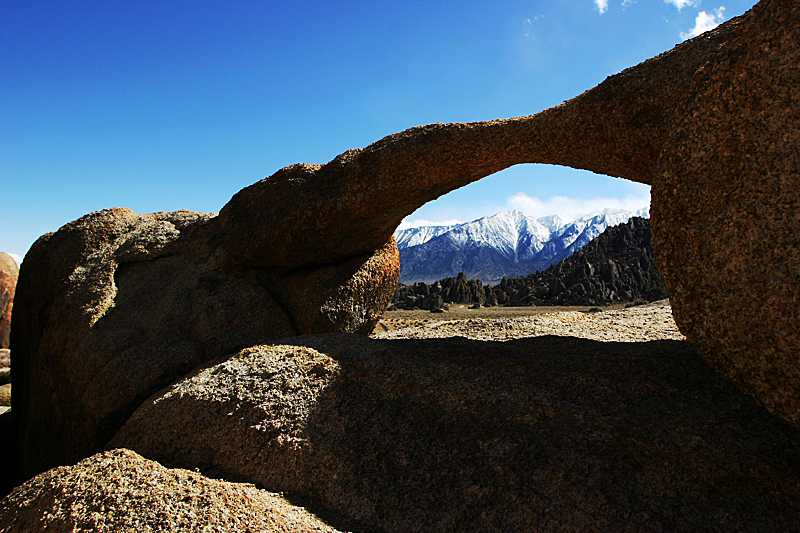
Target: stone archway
column 713, row 125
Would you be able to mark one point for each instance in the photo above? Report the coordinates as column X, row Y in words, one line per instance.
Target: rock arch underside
column 116, row 306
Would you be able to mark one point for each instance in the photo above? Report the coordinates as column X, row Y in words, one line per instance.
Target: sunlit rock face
column 726, row 206
column 114, row 306
column 9, row 271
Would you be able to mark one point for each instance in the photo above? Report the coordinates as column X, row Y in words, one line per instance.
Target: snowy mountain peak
column 508, row 243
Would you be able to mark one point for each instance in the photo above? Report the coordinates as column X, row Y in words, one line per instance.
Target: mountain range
column 507, row 244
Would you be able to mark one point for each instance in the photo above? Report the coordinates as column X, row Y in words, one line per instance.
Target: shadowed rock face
column 116, row 306
column 454, row 435
column 713, row 125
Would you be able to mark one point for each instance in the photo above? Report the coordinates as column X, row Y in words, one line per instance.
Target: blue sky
column 159, row 106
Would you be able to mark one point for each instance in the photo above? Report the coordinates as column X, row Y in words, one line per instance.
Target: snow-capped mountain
column 506, row 244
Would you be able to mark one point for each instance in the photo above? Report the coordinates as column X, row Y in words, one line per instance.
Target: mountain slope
column 617, row 266
column 508, row 244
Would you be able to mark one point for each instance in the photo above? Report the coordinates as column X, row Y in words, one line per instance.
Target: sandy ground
column 614, row 323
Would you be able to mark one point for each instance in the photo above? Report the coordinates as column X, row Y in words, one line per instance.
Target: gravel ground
column 635, row 324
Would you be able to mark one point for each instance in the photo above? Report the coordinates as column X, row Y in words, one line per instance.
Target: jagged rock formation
column 454, row 435
column 458, row 290
column 122, row 491
column 616, row 266
column 115, row 305
column 9, row 272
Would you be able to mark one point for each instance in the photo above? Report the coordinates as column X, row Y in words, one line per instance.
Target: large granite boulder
column 454, row 435
column 9, row 271
column 121, row 491
column 115, row 306
column 726, row 206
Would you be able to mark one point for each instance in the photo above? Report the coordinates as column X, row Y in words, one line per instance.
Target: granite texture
column 726, row 207
column 455, row 435
column 115, row 306
column 713, row 125
column 120, row 491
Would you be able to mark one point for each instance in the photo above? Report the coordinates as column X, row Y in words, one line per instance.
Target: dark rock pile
column 458, row 290
column 615, row 267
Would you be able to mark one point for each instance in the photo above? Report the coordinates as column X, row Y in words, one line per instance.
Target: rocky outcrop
column 453, row 435
column 122, row 491
column 115, row 306
column 9, row 271
column 731, row 165
column 458, row 290
column 616, row 266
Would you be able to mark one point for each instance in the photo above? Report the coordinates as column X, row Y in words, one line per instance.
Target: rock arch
column 713, row 125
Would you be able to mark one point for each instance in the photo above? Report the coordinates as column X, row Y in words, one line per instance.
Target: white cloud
column 564, row 205
column 408, row 224
column 16, row 257
column 602, row 5
column 634, row 196
column 680, row 4
column 626, row 3
column 704, row 22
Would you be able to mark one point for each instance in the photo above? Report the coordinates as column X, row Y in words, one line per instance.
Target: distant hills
column 617, row 266
column 508, row 244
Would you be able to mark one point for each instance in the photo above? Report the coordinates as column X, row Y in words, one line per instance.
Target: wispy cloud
column 530, row 25
column 704, row 22
column 637, row 196
column 680, row 4
column 15, row 257
column 564, row 205
column 602, row 5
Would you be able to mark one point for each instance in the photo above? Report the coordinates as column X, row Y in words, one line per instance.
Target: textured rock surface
column 732, row 175
column 115, row 306
column 712, row 125
column 121, row 491
column 9, row 271
column 539, row 434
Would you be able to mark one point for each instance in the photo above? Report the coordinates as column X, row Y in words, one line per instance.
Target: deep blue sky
column 164, row 105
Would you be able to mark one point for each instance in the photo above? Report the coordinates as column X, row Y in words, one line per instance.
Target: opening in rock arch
column 551, row 236
column 513, row 223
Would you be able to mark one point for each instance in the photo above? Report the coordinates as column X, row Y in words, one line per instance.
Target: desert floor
column 612, row 323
